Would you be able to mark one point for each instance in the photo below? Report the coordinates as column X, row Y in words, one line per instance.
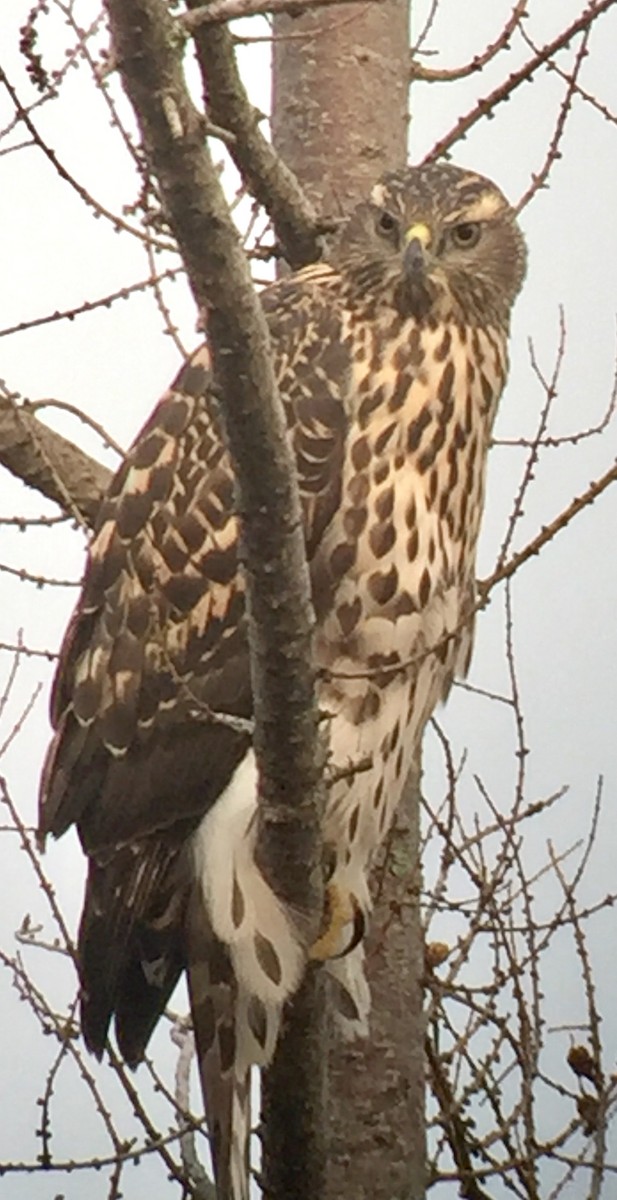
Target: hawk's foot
column 343, row 926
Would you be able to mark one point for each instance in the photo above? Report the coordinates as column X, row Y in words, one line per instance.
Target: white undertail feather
column 223, row 856
column 232, row 884
column 245, row 914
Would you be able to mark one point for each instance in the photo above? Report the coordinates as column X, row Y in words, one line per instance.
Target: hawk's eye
column 466, row 234
column 387, row 224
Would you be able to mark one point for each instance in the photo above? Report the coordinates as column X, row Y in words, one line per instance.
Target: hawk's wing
column 155, row 665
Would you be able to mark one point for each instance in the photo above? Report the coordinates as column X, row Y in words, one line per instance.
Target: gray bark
column 50, row 463
column 340, row 89
column 294, row 1105
column 377, row 1149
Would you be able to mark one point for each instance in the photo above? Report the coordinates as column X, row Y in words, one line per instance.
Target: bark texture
column 376, row 1100
column 50, row 463
column 340, row 88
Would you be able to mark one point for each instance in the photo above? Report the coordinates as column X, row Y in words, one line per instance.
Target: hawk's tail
column 235, row 1029
column 224, row 1071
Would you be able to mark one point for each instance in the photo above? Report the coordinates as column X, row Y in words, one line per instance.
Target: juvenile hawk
column 390, row 359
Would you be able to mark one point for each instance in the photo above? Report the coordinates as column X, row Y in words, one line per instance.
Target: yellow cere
column 419, row 231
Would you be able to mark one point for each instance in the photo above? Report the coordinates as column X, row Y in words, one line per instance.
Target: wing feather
column 157, row 645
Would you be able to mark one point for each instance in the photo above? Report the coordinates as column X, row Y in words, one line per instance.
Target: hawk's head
column 437, row 241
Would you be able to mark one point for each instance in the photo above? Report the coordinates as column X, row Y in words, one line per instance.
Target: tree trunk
column 376, row 1100
column 340, row 88
column 340, row 85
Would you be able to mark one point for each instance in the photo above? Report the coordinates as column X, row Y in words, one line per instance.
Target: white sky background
column 115, row 363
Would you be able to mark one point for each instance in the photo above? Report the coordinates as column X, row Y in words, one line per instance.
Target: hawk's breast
column 397, row 563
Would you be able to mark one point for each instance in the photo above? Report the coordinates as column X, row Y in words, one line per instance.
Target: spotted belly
column 379, row 700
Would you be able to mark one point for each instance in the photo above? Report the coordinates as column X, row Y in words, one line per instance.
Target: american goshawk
column 390, row 359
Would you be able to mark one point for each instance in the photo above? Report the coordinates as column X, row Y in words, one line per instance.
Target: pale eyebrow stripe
column 486, row 206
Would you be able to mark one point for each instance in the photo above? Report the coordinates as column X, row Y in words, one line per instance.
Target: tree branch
column 524, row 74
column 286, row 738
column 99, row 210
column 50, row 463
column 547, row 533
column 297, row 226
column 294, row 1097
column 432, row 75
column 221, row 11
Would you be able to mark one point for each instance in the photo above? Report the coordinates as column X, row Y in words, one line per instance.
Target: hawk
column 390, row 359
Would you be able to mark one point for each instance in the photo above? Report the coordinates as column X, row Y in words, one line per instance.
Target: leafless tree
column 459, row 1089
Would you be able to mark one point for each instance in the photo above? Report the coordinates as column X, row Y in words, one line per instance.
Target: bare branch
column 550, row 390
column 100, row 210
column 278, row 589
column 278, row 585
column 297, row 226
column 203, row 1188
column 69, row 314
column 424, row 74
column 221, row 11
column 485, row 107
column 553, row 149
column 50, row 463
column 548, row 532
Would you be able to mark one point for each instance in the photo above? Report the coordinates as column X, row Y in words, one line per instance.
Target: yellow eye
column 466, row 234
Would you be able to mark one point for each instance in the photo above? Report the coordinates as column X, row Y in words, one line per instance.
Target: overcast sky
column 114, row 363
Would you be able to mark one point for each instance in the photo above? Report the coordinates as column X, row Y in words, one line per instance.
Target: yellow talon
column 341, row 913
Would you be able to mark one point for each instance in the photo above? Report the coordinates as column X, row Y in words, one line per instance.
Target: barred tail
column 223, row 1072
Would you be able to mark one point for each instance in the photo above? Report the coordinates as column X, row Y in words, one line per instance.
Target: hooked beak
column 417, row 239
column 416, row 290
